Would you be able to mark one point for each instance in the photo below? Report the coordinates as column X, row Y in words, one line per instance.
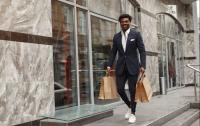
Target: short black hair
column 124, row 16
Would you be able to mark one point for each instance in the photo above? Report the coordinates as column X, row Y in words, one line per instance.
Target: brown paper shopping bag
column 143, row 89
column 108, row 88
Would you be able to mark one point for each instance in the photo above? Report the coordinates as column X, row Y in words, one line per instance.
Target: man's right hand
column 108, row 69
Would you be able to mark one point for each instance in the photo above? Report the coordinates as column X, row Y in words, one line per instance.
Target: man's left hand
column 142, row 70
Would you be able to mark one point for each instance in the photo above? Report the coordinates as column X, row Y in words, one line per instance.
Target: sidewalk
column 147, row 112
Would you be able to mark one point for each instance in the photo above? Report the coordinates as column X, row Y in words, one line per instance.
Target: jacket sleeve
column 141, row 48
column 113, row 53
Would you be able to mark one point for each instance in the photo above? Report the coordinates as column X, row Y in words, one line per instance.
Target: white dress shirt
column 124, row 38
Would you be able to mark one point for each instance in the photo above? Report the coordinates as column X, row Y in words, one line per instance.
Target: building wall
column 26, row 69
column 26, row 16
column 153, row 6
column 26, row 82
column 109, row 8
column 189, row 46
column 184, row 16
column 149, row 33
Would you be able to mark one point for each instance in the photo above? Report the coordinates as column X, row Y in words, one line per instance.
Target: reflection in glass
column 171, row 64
column 83, row 57
column 170, row 45
column 64, row 55
column 81, row 2
column 163, row 30
column 71, row 0
column 101, row 7
column 159, row 23
column 102, row 33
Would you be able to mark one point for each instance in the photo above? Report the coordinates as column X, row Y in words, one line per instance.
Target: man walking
column 126, row 43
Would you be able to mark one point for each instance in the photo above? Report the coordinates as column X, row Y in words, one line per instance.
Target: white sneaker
column 132, row 118
column 128, row 114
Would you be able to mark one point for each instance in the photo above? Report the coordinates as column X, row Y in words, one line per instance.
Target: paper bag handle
column 141, row 76
column 108, row 73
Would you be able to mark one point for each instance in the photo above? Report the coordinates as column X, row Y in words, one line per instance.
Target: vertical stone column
column 196, row 38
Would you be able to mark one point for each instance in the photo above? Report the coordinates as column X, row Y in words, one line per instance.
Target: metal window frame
column 89, row 53
column 90, row 13
column 75, row 6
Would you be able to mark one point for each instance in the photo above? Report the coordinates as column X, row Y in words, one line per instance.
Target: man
column 126, row 43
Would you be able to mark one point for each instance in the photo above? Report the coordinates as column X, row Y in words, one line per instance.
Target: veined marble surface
column 152, row 72
column 188, row 73
column 26, row 16
column 153, row 6
column 149, row 32
column 26, row 82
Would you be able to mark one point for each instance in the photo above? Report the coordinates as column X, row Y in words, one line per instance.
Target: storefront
column 84, row 35
column 61, row 48
column 170, row 38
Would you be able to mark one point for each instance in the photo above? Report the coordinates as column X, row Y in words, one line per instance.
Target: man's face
column 125, row 23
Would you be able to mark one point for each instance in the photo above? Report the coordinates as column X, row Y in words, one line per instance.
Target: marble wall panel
column 188, row 38
column 26, row 16
column 3, row 100
column 149, row 32
column 188, row 73
column 153, row 6
column 152, row 72
column 189, row 49
column 33, row 68
column 26, row 82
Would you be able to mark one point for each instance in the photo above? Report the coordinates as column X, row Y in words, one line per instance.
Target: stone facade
column 26, row 70
column 26, row 16
column 26, row 82
column 148, row 25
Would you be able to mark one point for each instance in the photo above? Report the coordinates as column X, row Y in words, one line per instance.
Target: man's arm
column 112, row 54
column 141, row 48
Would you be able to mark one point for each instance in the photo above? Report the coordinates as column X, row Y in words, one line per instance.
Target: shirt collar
column 126, row 32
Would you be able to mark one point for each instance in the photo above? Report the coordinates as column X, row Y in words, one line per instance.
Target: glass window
column 102, row 34
column 169, row 26
column 64, row 55
column 81, row 2
column 83, row 55
column 171, row 50
column 109, row 8
column 159, row 23
column 163, row 30
column 70, row 0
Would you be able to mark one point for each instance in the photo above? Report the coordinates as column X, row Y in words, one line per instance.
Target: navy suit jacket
column 130, row 57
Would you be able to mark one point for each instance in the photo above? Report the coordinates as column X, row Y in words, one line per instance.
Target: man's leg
column 132, row 80
column 121, row 80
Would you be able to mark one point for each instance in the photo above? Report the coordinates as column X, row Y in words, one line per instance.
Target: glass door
column 64, row 55
column 171, row 63
column 102, row 32
column 162, row 58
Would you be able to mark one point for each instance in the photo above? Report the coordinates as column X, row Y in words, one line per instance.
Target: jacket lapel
column 120, row 42
column 128, row 40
